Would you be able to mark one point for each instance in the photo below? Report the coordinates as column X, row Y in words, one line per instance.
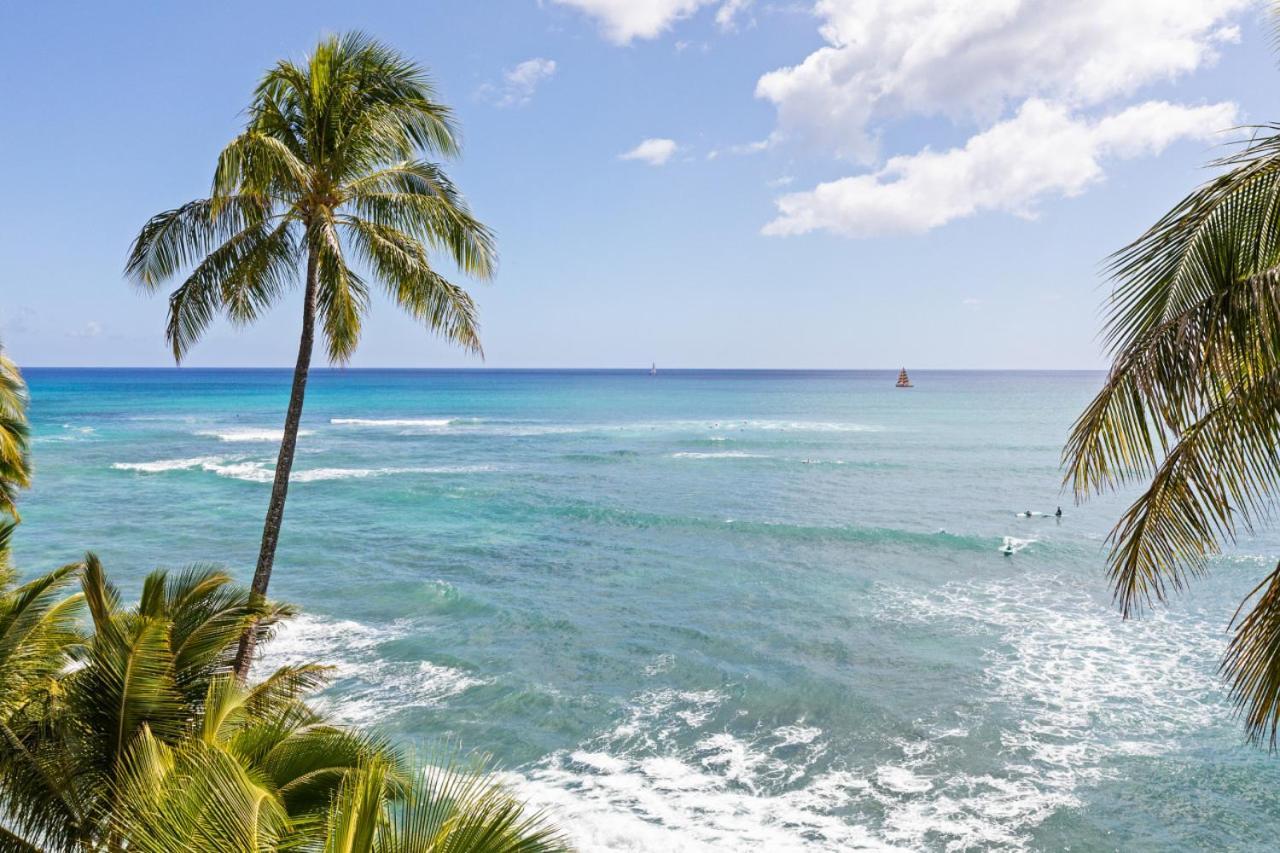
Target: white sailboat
column 653, row 369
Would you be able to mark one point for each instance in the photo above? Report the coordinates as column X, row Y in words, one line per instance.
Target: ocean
column 703, row 610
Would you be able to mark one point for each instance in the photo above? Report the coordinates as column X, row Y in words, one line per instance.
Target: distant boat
column 904, row 381
column 653, row 370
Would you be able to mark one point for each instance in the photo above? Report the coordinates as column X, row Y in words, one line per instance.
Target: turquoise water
column 696, row 611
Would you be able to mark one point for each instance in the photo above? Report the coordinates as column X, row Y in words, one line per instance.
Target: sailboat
column 653, row 369
column 904, row 381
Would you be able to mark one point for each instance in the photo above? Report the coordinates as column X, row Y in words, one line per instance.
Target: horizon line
column 628, row 369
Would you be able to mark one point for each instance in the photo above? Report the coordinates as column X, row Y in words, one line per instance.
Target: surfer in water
column 1058, row 514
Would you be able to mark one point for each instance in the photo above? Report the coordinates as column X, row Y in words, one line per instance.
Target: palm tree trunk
column 284, row 464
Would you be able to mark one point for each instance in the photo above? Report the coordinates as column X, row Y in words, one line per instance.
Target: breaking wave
column 254, row 471
column 249, row 434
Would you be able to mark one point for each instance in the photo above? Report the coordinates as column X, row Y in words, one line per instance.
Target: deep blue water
column 697, row 611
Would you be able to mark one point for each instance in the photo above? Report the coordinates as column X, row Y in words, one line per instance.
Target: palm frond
column 464, row 808
column 1190, row 405
column 358, row 811
column 343, row 296
column 195, row 799
column 1253, row 661
column 402, row 265
column 418, row 199
column 15, row 459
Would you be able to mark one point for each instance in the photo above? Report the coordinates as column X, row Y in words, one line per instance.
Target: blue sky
column 837, row 184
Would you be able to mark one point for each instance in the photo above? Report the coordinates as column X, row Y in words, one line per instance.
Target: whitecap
column 70, row 432
column 248, row 434
column 392, row 422
column 366, row 684
column 256, row 471
column 161, row 465
column 315, row 474
column 725, row 454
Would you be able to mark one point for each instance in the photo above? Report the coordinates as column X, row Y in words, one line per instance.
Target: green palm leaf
column 1191, row 406
column 15, row 465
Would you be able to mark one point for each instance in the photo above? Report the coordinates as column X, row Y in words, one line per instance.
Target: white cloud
column 744, row 148
column 974, row 59
column 1043, row 150
column 520, row 82
column 625, row 20
column 729, row 12
column 92, row 329
column 655, row 152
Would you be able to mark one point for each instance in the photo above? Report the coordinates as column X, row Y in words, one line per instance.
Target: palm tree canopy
column 329, row 175
column 15, row 465
column 130, row 731
column 77, row 708
column 1191, row 407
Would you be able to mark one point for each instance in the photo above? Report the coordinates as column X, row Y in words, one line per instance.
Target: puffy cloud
column 520, row 82
column 1043, row 150
column 655, row 152
column 92, row 329
column 973, row 59
column 625, row 20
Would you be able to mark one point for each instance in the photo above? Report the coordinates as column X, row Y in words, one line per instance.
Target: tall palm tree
column 1191, row 407
column 15, row 468
column 327, row 182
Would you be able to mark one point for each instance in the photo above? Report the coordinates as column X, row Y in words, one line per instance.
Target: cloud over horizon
column 1042, row 151
column 1041, row 81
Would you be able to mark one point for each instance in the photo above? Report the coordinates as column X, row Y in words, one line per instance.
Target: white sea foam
column 315, row 474
column 70, row 432
column 725, row 454
column 1083, row 687
column 483, row 426
column 634, row 789
column 161, row 465
column 259, row 471
column 249, row 434
column 391, row 422
column 367, row 687
column 1012, row 544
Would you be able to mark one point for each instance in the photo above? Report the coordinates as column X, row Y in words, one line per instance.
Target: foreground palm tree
column 325, row 182
column 131, row 732
column 1191, row 408
column 15, row 469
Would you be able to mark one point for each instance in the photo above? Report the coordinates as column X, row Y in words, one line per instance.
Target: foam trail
column 1013, row 545
column 392, row 422
column 1083, row 688
column 161, row 465
column 367, row 685
column 248, row 434
column 727, row 454
column 253, row 471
